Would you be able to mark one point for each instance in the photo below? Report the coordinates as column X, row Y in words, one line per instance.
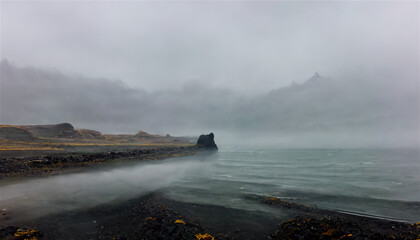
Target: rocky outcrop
column 207, row 142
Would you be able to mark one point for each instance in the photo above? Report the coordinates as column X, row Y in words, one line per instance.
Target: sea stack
column 207, row 142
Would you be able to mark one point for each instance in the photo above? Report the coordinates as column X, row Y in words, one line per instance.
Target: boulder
column 206, row 141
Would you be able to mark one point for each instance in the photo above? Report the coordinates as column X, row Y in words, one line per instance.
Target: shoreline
column 154, row 216
column 53, row 164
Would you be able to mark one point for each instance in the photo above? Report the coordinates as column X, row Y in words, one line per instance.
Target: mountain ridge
column 318, row 105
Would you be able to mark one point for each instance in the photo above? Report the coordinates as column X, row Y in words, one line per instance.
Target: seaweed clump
column 205, row 236
column 16, row 233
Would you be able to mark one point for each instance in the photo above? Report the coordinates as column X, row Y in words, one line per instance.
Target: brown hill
column 66, row 132
column 62, row 130
column 143, row 133
column 8, row 132
column 90, row 134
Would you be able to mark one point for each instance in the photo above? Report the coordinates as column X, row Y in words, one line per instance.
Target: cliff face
column 207, row 141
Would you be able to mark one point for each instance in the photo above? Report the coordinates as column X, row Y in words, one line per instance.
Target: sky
column 241, row 69
column 247, row 46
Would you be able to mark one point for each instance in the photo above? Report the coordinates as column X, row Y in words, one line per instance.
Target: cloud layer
column 249, row 47
column 319, row 112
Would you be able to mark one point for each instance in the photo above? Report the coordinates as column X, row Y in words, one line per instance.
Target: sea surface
column 380, row 183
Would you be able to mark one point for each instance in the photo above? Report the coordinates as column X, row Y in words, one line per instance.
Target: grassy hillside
column 8, row 132
column 30, row 140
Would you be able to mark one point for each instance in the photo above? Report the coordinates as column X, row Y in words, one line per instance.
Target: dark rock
column 206, row 141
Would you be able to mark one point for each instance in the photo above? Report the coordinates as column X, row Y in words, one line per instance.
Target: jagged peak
column 315, row 79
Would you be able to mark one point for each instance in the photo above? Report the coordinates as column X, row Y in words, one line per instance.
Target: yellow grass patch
column 7, row 145
column 114, row 144
column 54, row 145
column 205, row 236
column 29, row 149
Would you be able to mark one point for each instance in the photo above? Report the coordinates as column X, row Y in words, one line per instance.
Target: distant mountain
column 30, row 95
column 378, row 112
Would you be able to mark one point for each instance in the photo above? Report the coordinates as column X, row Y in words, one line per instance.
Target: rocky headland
column 35, row 150
column 207, row 142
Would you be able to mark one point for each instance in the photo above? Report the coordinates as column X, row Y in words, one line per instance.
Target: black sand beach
column 155, row 217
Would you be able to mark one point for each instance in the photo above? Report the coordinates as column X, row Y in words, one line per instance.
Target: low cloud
column 320, row 112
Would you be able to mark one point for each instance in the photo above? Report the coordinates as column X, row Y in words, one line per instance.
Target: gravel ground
column 56, row 164
column 156, row 217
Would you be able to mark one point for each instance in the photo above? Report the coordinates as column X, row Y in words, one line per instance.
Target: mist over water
column 38, row 197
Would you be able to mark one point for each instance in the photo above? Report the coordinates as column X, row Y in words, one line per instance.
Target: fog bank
column 320, row 112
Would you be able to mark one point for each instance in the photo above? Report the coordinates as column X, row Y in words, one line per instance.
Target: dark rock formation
column 207, row 141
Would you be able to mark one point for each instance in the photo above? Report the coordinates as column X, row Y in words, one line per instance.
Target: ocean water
column 381, row 183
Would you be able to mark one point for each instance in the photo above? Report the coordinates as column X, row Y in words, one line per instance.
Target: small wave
column 225, row 175
column 377, row 216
